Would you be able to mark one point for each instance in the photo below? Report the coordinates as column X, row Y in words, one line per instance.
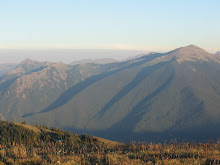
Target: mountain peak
column 27, row 66
column 28, row 61
column 192, row 49
column 191, row 53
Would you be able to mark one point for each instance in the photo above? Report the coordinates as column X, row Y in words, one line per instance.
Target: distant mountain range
column 4, row 68
column 156, row 96
column 95, row 61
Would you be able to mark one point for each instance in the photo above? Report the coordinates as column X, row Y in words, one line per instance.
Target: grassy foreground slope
column 24, row 144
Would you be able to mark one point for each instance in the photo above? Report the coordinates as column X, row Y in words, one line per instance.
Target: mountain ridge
column 155, row 94
column 95, row 61
column 191, row 53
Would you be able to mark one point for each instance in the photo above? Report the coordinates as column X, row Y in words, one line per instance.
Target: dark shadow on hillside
column 144, row 73
column 2, row 76
column 130, row 121
column 5, row 85
column 198, row 134
column 71, row 92
column 28, row 115
column 36, row 69
column 191, row 107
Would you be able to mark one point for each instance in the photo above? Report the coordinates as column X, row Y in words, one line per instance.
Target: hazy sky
column 64, row 55
column 109, row 24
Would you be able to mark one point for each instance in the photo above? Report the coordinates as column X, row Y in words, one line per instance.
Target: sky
column 149, row 25
column 15, row 56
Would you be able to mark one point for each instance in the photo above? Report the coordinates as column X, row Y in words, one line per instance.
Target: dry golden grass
column 37, row 130
column 32, row 128
column 94, row 150
column 54, row 153
column 108, row 143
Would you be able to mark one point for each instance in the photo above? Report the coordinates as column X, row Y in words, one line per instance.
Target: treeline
column 19, row 134
column 11, row 133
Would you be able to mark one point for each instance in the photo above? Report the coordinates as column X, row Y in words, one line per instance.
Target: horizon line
column 155, row 49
